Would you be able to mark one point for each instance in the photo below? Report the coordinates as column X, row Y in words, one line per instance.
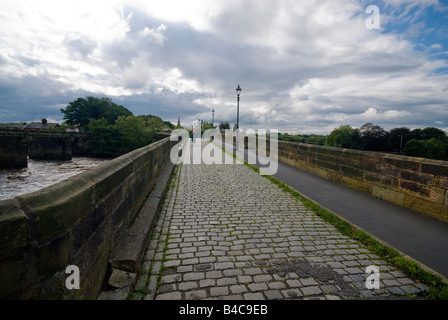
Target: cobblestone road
column 225, row 232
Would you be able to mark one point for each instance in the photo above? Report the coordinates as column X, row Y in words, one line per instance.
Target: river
column 40, row 174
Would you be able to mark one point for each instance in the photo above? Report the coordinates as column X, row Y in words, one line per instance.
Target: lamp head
column 238, row 90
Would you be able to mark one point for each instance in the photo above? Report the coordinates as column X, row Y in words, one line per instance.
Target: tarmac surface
column 225, row 232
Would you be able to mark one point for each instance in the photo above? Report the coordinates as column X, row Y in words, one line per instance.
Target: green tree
column 80, row 111
column 398, row 137
column 206, row 125
column 315, row 139
column 416, row 134
column 435, row 149
column 415, row 148
column 156, row 123
column 373, row 137
column 105, row 140
column 133, row 132
column 432, row 149
column 431, row 132
column 345, row 137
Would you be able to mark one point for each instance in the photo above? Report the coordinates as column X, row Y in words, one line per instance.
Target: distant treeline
column 303, row 138
column 429, row 142
column 114, row 129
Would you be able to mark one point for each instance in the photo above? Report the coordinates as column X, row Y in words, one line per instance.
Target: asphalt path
column 417, row 236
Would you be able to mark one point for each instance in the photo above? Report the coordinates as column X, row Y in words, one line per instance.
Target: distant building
column 43, row 125
column 13, row 126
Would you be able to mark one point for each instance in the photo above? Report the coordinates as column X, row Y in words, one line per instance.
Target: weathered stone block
column 289, row 161
column 121, row 279
column 128, row 253
column 377, row 178
column 57, row 207
column 54, row 255
column 402, row 162
column 13, row 272
column 372, row 164
column 437, row 211
column 86, row 227
column 440, row 168
column 387, row 170
column 328, row 165
column 429, row 193
column 315, row 148
column 325, row 157
column 414, row 176
column 441, row 182
column 13, row 227
column 351, row 172
column 354, row 183
column 388, row 195
column 415, row 188
column 93, row 268
column 108, row 176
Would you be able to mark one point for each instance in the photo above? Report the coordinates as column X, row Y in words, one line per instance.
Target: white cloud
column 303, row 65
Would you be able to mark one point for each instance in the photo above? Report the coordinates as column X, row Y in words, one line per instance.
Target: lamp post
column 213, row 117
column 238, row 92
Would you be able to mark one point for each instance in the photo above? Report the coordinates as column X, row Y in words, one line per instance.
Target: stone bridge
column 221, row 231
column 17, row 146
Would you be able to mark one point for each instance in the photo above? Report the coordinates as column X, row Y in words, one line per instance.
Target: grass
column 174, row 183
column 438, row 288
column 139, row 292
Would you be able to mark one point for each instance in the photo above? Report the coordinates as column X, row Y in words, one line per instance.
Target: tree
column 432, row 148
column 224, row 126
column 397, row 137
column 105, row 140
column 373, row 137
column 134, row 134
column 431, row 132
column 206, row 125
column 345, row 137
column 435, row 149
column 416, row 134
column 156, row 123
column 315, row 139
column 80, row 111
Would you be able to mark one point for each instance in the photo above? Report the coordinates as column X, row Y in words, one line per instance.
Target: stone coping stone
column 127, row 255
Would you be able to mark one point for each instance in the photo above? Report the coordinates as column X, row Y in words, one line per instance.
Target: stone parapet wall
column 74, row 222
column 416, row 183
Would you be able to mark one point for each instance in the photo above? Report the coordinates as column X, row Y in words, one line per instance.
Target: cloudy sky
column 304, row 66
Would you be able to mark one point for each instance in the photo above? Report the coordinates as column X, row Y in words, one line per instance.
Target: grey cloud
column 78, row 46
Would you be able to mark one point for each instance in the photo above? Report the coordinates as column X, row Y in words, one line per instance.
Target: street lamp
column 238, row 92
column 213, row 117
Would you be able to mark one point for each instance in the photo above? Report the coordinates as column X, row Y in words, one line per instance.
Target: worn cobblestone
column 225, row 232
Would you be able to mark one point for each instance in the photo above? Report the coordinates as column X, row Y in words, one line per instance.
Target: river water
column 41, row 174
